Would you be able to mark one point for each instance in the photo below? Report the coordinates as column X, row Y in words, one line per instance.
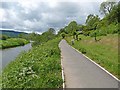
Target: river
column 7, row 55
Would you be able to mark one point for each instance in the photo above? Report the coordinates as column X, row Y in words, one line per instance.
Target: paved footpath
column 81, row 72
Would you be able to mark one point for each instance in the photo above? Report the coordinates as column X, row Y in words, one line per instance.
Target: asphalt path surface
column 81, row 72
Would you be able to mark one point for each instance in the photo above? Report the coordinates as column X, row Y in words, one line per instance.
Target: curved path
column 81, row 72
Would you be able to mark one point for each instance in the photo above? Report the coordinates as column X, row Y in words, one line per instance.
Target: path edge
column 97, row 64
column 63, row 74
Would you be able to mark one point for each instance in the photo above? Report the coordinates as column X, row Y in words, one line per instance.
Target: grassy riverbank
column 38, row 68
column 12, row 42
column 104, row 51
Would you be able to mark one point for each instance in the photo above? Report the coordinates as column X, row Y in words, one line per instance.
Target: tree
column 106, row 7
column 51, row 30
column 74, row 35
column 92, row 21
column 44, row 37
column 111, row 17
column 21, row 35
column 118, row 9
column 48, row 35
column 71, row 27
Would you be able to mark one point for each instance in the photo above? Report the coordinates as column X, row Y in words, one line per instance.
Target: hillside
column 11, row 33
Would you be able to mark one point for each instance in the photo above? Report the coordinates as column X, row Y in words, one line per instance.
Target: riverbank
column 38, row 68
column 12, row 42
column 104, row 51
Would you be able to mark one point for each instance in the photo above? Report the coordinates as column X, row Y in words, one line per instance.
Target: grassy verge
column 12, row 42
column 38, row 68
column 104, row 51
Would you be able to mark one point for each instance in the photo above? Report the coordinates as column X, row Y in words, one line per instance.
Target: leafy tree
column 44, row 37
column 106, row 7
column 114, row 14
column 62, row 30
column 50, row 33
column 33, row 36
column 92, row 21
column 74, row 35
column 51, row 30
column 23, row 35
column 71, row 27
column 118, row 9
column 111, row 17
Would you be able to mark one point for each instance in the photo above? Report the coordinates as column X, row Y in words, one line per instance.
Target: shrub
column 13, row 42
column 112, row 29
column 3, row 37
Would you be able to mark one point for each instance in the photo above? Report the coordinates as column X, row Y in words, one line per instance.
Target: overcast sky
column 38, row 15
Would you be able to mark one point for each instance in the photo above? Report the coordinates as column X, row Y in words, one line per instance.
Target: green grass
column 38, row 68
column 104, row 51
column 12, row 42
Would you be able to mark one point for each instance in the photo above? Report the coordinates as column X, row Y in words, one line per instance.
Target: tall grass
column 38, row 68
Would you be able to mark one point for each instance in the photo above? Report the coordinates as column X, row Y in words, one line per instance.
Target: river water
column 7, row 55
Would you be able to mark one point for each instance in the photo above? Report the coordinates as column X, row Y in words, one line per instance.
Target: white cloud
column 55, row 0
column 38, row 16
column 2, row 15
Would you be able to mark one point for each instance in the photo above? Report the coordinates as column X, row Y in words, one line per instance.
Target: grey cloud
column 6, row 25
column 44, row 16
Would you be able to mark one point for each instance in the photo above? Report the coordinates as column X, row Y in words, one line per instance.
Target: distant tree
column 71, row 27
column 62, row 30
column 48, row 35
column 33, row 36
column 44, row 37
column 51, row 30
column 106, row 7
column 21, row 35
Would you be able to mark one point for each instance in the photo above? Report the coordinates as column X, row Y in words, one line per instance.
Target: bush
column 112, row 29
column 36, row 43
column 13, row 42
column 83, row 50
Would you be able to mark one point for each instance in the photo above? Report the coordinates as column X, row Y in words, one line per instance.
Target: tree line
column 94, row 25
